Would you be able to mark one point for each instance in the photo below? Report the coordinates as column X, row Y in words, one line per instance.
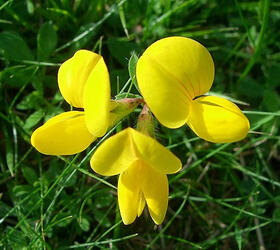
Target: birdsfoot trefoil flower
column 142, row 164
column 84, row 83
column 173, row 74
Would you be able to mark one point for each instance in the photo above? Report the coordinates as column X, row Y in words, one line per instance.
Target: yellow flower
column 142, row 164
column 84, row 83
column 173, row 74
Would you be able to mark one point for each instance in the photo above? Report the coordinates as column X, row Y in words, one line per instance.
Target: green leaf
column 30, row 7
column 46, row 41
column 238, row 237
column 101, row 218
column 103, row 200
column 84, row 224
column 20, row 191
column 132, row 69
column 30, row 101
column 30, row 175
column 17, row 76
column 14, row 47
column 120, row 49
column 33, row 119
column 52, row 111
column 250, row 88
column 132, row 65
column 271, row 100
column 123, row 20
column 10, row 160
column 272, row 74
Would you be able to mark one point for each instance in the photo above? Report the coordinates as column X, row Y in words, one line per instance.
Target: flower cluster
column 173, row 76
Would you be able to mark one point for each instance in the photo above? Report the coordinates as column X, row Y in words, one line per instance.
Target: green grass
column 226, row 197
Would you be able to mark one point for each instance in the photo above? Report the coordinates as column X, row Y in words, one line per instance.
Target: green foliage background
column 227, row 195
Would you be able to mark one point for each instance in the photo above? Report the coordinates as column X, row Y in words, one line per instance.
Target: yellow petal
column 128, row 194
column 64, row 134
column 170, row 73
column 114, row 155
column 97, row 99
column 166, row 97
column 142, row 203
column 140, row 184
column 154, row 154
column 154, row 186
column 73, row 74
column 218, row 120
column 118, row 152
